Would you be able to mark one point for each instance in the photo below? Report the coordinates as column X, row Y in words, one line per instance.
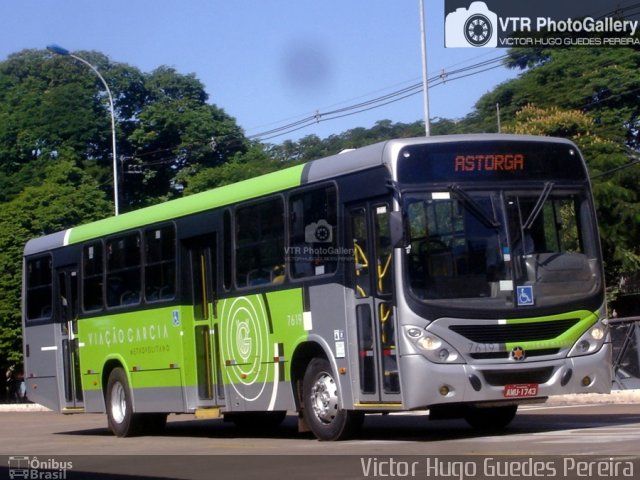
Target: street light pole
column 63, row 51
column 425, row 80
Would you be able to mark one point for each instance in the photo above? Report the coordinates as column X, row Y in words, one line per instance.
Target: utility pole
column 425, row 80
column 66, row 53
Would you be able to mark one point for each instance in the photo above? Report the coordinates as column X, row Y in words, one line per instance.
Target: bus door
column 374, row 313
column 202, row 258
column 41, row 334
column 67, row 298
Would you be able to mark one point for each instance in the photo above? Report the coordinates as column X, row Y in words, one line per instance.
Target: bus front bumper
column 426, row 384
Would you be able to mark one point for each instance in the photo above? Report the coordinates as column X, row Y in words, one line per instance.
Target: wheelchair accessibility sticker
column 525, row 295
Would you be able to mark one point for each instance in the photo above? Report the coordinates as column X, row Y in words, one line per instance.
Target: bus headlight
column 432, row 346
column 591, row 341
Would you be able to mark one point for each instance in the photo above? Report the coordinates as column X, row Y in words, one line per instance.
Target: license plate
column 520, row 390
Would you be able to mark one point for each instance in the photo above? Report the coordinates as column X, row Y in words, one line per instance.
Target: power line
column 383, row 100
column 611, row 171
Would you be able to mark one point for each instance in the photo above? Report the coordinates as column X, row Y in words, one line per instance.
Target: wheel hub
column 118, row 403
column 324, row 398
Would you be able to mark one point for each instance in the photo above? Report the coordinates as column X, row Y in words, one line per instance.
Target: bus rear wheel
column 322, row 411
column 121, row 419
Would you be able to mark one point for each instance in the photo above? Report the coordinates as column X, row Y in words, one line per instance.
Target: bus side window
column 92, row 270
column 360, row 251
column 313, row 232
column 227, row 247
column 123, row 270
column 39, row 288
column 160, row 263
column 384, row 252
column 260, row 243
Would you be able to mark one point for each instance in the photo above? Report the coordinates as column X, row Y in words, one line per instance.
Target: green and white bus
column 459, row 274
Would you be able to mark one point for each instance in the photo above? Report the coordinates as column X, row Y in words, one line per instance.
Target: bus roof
column 314, row 171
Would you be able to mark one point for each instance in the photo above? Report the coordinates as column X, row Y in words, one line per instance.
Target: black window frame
column 30, row 289
column 337, row 230
column 125, row 293
column 170, row 263
column 275, row 277
column 100, row 276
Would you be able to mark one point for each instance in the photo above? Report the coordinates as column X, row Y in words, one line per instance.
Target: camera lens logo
column 320, row 232
column 471, row 27
column 478, row 30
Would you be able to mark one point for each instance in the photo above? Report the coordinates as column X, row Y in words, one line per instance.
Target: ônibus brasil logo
column 38, row 469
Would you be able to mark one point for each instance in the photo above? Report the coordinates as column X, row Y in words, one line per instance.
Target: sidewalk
column 22, row 407
column 616, row 396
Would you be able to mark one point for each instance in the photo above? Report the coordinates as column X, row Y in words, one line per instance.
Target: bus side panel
column 149, row 397
column 258, row 334
column 42, row 365
column 93, row 398
column 331, row 321
column 149, row 343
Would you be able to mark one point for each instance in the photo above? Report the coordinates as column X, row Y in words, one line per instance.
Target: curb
column 616, row 396
column 22, row 407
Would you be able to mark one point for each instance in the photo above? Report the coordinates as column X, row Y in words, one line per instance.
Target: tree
column 312, row 147
column 50, row 103
column 67, row 197
column 242, row 166
column 603, row 82
column 45, row 107
column 177, row 129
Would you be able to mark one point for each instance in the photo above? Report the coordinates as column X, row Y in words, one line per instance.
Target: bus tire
column 490, row 419
column 321, row 401
column 121, row 419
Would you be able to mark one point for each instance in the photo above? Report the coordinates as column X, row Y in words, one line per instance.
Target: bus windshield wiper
column 473, row 206
column 546, row 191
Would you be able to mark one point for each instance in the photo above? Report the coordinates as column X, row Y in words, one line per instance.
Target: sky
column 269, row 63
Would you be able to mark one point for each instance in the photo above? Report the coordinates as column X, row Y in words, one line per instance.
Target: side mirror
column 396, row 230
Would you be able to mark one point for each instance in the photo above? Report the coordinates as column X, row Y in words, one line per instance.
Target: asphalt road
column 540, row 436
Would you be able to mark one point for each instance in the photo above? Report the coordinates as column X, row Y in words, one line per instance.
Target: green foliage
column 50, row 103
column 177, row 130
column 312, row 147
column 67, row 197
column 242, row 166
column 603, row 82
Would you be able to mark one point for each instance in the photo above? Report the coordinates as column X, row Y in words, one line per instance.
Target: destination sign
column 490, row 162
column 485, row 160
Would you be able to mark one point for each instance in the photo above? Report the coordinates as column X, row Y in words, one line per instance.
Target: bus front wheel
column 122, row 421
column 322, row 411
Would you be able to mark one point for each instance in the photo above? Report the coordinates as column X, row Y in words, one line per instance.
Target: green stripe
column 566, row 339
column 227, row 195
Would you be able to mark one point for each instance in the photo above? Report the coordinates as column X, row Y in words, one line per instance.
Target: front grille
column 499, row 378
column 506, row 355
column 518, row 332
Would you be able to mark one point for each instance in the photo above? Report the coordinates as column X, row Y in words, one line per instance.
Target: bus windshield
column 478, row 246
